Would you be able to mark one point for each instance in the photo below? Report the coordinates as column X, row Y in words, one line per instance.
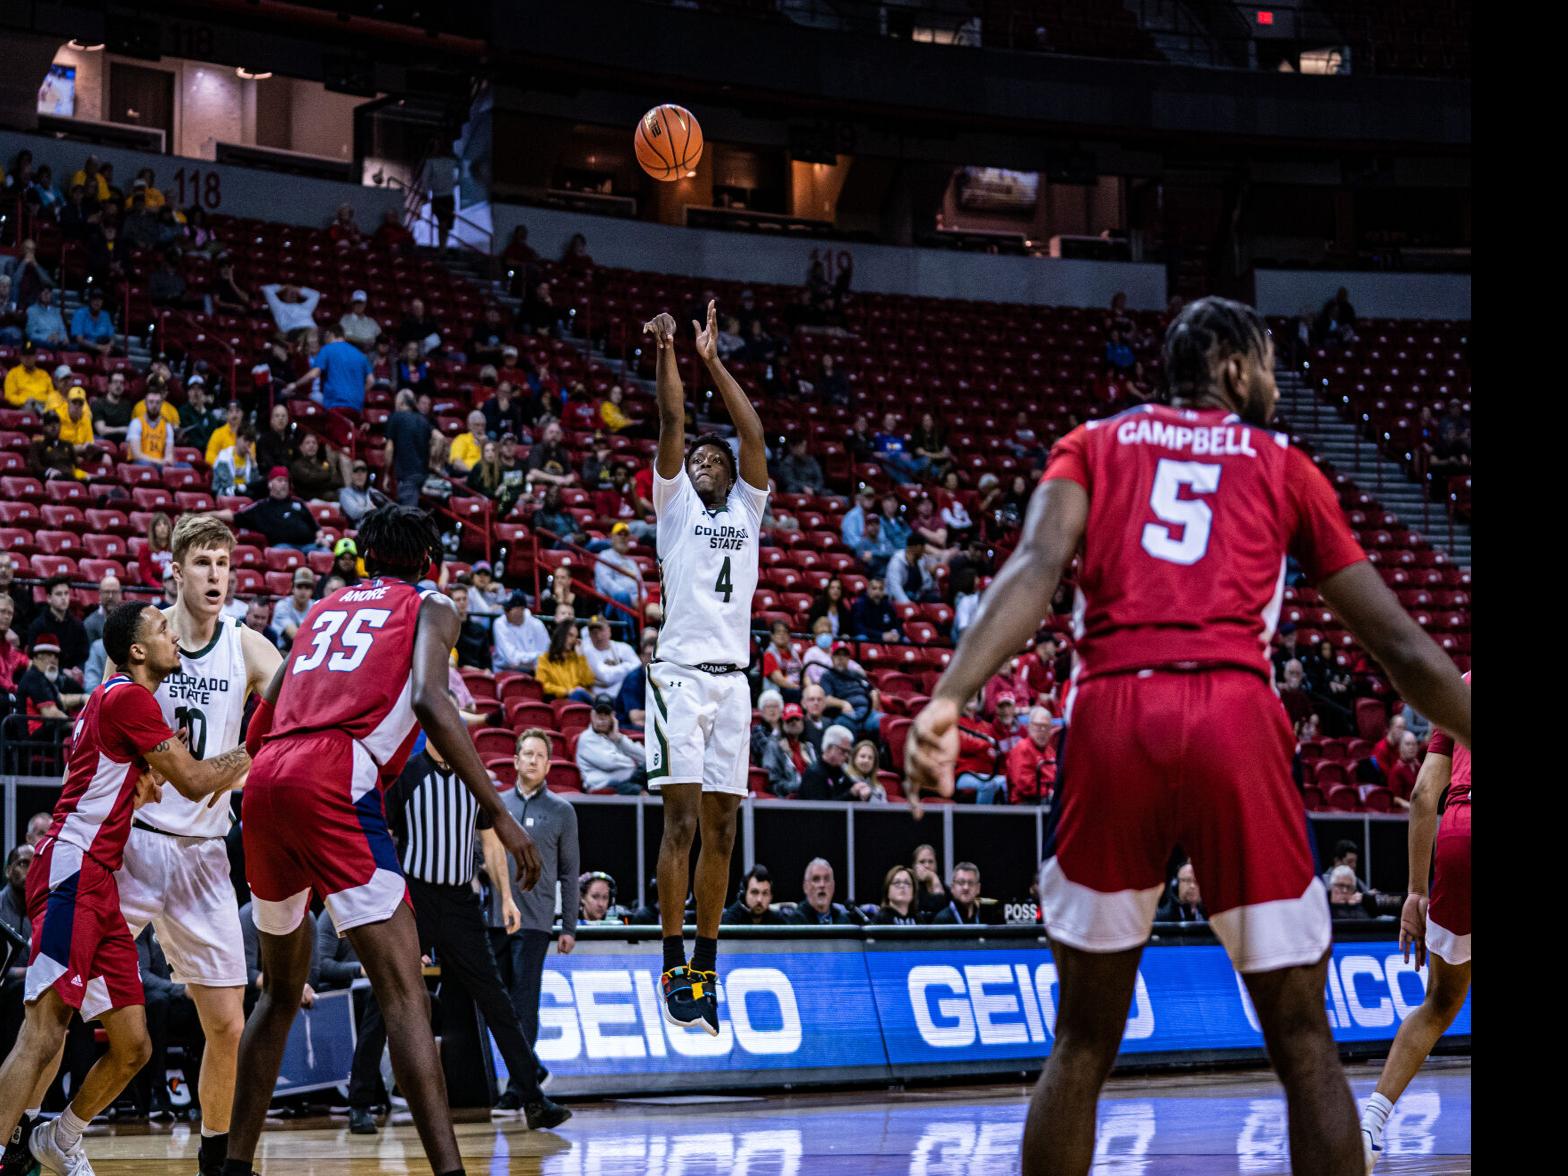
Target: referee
column 433, row 818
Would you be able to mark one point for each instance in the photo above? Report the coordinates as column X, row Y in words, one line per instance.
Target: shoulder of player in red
column 128, row 721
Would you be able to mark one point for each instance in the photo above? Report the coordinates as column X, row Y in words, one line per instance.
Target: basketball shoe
column 691, row 998
column 51, row 1157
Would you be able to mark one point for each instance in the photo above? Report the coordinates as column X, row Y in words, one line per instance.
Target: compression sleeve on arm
column 260, row 724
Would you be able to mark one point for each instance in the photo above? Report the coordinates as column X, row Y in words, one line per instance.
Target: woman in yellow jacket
column 563, row 672
column 610, row 411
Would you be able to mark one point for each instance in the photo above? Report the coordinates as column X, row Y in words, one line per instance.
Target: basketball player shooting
column 338, row 720
column 699, row 701
column 1184, row 516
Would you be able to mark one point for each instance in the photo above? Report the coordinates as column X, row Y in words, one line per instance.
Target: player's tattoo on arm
column 162, row 747
column 235, row 757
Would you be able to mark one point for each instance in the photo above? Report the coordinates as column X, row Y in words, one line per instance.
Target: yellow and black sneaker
column 691, row 998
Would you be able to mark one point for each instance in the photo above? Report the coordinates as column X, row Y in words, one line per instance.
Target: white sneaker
column 1369, row 1150
column 51, row 1157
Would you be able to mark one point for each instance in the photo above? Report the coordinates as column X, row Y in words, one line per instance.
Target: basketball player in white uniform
column 176, row 871
column 699, row 701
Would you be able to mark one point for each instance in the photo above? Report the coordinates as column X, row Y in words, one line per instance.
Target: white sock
column 1375, row 1116
column 207, row 1132
column 33, row 1112
column 68, row 1129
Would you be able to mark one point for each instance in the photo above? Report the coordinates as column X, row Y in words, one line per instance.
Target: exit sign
column 1265, row 17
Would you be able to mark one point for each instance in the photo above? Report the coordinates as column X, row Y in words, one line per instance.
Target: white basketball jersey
column 206, row 695
column 708, row 560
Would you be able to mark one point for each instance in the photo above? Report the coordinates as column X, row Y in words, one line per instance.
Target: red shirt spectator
column 1031, row 765
column 1402, row 775
column 976, row 747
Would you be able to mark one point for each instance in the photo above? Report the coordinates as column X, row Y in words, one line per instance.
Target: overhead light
column 253, row 75
column 81, row 48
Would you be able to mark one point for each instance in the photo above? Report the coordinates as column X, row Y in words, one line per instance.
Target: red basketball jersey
column 1191, row 514
column 119, row 725
column 352, row 669
column 1442, row 743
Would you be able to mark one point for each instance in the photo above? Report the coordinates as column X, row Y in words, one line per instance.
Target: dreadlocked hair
column 399, row 540
column 1204, row 333
column 723, row 447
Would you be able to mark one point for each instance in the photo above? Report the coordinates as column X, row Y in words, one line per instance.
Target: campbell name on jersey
column 206, row 696
column 708, row 561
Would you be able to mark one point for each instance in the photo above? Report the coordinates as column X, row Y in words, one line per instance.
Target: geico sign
column 614, row 1013
column 1001, row 1004
column 1363, row 991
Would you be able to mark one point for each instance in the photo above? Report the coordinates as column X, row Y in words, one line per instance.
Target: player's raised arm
column 753, row 448
column 1422, row 673
column 1436, row 769
column 444, row 727
column 672, row 398
column 1010, row 613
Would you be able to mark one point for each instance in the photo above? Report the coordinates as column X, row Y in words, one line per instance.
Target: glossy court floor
column 1207, row 1124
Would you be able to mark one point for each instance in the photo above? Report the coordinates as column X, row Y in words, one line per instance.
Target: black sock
column 674, row 952
column 218, row 1144
column 705, row 956
column 233, row 1167
column 455, row 1172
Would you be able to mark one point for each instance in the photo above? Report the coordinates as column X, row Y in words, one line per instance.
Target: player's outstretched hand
column 708, row 336
column 662, row 328
column 149, row 787
column 523, row 850
column 1412, row 928
column 931, row 751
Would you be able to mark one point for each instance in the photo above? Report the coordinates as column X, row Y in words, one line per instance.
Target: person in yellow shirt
column 151, row 443
column 27, row 385
column 153, row 198
column 166, row 410
column 610, row 411
column 223, row 436
column 76, row 420
column 468, row 448
column 564, row 672
column 93, row 180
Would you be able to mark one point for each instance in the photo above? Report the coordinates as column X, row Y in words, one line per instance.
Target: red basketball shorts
column 313, row 821
column 81, row 946
column 1154, row 759
column 1448, row 914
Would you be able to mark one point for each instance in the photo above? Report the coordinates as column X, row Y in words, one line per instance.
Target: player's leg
column 30, row 1066
column 221, row 1012
column 285, row 966
column 716, row 822
column 1094, row 993
column 389, row 951
column 1447, row 986
column 16, row 1159
column 1324, row 1139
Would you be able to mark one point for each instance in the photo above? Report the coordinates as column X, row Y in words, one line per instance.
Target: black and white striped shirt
column 434, row 819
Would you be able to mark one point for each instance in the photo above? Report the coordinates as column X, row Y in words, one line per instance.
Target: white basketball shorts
column 181, row 886
column 699, row 728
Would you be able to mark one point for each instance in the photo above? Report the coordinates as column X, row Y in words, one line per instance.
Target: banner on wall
column 796, row 1011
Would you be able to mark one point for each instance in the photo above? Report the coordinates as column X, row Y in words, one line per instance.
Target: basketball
column 669, row 142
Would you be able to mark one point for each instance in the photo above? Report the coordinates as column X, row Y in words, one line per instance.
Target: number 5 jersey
column 206, row 697
column 1192, row 513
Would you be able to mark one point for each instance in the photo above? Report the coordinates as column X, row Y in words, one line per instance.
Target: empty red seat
column 894, row 733
column 503, row 768
column 152, row 498
column 193, row 500
column 57, row 542
column 26, row 489
column 284, row 559
column 63, row 518
column 246, row 555
column 1342, row 798
column 527, row 712
column 757, row 782
column 495, row 741
column 16, row 539
column 65, row 490
column 515, row 687
column 248, row 581
column 97, row 569
column 563, row 777
column 45, row 566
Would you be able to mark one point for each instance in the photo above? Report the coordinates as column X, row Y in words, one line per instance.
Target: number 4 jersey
column 1191, row 516
column 351, row 670
column 708, row 560
column 206, row 697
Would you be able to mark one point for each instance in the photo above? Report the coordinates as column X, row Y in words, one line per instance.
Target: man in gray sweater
column 552, row 823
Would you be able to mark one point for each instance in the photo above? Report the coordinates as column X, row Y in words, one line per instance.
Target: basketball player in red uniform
column 1437, row 928
column 83, row 957
column 1184, row 516
column 336, row 725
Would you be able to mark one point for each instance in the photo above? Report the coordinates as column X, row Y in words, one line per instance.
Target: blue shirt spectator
column 94, row 329
column 344, row 372
column 45, row 327
column 853, row 526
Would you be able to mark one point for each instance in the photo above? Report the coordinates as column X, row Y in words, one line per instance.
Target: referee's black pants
column 451, row 924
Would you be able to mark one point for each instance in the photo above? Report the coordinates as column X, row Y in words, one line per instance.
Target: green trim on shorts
column 658, row 732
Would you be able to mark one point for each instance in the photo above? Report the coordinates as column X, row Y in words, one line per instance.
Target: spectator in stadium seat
column 1386, row 750
column 1006, row 723
column 344, row 372
column 899, row 907
column 548, row 461
column 631, row 698
column 910, row 577
column 753, row 905
column 964, row 903
column 929, row 444
column 611, row 661
column 1119, row 356
column 788, row 757
column 798, row 472
column 539, row 314
column 813, row 700
column 520, row 259
column 112, row 413
column 359, row 498
column 1284, row 650
column 770, row 722
column 468, row 448
column 346, row 568
column 290, row 611
column 110, row 594
column 47, row 455
column 927, row 523
column 851, row 699
column 617, row 574
column 282, row 518
column 258, row 616
column 235, row 466
column 860, row 773
column 408, row 435
column 293, row 307
column 1348, row 854
column 1345, row 898
column 156, row 556
column 91, row 327
column 391, row 234
column 39, row 688
column 562, row 669
column 1293, row 694
column 875, row 548
column 503, row 412
column 199, row 417
column 45, row 327
column 612, row 410
column 576, row 255
column 228, row 296
column 1402, row 775
column 894, row 527
column 892, row 453
column 817, row 908
column 852, row 525
column 1336, row 322
column 976, row 773
column 1449, row 453
column 596, row 892
column 1182, row 903
column 781, row 664
column 831, row 603
column 874, row 618
column 316, row 470
column 818, row 657
column 831, row 384
column 223, row 436
column 57, row 619
column 13, row 661
column 966, row 602
column 419, row 328
column 825, row 779
column 12, row 317
column 1031, row 764
column 607, row 760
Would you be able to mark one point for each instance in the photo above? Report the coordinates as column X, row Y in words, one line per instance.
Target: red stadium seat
column 503, row 768
column 515, row 687
column 893, row 783
column 66, row 490
column 757, row 782
column 104, row 546
column 249, row 582
column 528, row 713
column 45, row 566
column 57, row 542
column 283, row 559
column 495, row 741
column 480, row 683
column 563, row 777
column 1371, row 718
column 1342, row 798
column 894, row 733
column 63, row 518
column 1330, row 774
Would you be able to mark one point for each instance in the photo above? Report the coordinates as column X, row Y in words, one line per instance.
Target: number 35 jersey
column 206, row 696
column 351, row 670
column 1191, row 516
column 708, row 561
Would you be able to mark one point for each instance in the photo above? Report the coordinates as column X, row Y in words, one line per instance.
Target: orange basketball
column 669, row 142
